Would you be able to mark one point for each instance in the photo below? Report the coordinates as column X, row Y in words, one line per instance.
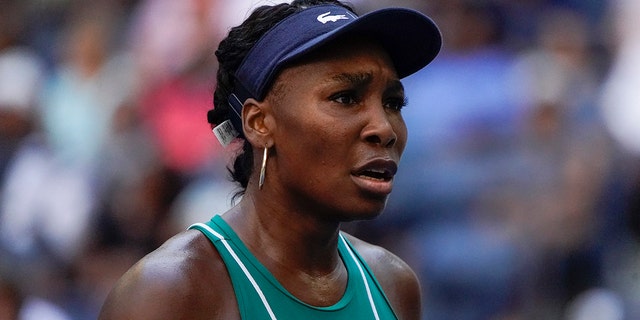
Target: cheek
column 320, row 153
column 400, row 128
column 326, row 143
column 309, row 128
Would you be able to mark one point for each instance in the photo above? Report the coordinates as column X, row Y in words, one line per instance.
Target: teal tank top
column 261, row 296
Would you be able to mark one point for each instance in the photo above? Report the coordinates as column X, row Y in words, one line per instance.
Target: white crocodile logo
column 325, row 17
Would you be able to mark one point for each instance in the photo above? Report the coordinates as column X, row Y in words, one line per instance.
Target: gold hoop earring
column 263, row 168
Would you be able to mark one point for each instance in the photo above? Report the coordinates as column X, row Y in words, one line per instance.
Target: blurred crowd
column 518, row 196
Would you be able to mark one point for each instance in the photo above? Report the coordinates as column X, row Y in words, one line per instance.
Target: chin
column 364, row 213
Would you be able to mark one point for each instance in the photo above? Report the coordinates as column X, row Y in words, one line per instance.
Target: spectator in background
column 621, row 111
column 565, row 159
column 172, row 43
column 21, row 73
column 88, row 86
column 621, row 98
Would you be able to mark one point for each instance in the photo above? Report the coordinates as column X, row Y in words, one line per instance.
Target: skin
column 325, row 119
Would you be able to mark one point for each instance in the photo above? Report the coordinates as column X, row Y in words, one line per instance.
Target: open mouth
column 375, row 175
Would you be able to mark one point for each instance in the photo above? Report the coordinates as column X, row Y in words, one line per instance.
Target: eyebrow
column 362, row 79
column 395, row 86
column 358, row 80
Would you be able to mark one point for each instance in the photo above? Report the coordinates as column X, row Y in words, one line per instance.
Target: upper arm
column 152, row 289
column 401, row 285
column 181, row 280
column 399, row 282
column 142, row 293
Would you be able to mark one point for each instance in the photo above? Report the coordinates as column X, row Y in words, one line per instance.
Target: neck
column 294, row 243
column 284, row 238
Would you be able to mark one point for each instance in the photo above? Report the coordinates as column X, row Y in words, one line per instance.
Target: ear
column 258, row 123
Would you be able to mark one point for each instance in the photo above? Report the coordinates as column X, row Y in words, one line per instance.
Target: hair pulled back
column 231, row 51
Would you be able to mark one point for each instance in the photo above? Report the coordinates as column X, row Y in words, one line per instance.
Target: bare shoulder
column 183, row 279
column 399, row 282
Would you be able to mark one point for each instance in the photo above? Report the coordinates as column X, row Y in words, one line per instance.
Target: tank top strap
column 375, row 294
column 225, row 247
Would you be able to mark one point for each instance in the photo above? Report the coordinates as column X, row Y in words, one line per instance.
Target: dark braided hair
column 231, row 51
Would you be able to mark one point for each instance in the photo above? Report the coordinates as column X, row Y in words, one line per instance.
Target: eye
column 396, row 103
column 345, row 97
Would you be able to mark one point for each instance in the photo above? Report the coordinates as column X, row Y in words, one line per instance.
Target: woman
column 314, row 93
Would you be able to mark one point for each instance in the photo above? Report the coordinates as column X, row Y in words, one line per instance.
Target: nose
column 379, row 129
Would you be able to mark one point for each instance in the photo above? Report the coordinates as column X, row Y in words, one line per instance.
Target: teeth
column 373, row 174
column 371, row 178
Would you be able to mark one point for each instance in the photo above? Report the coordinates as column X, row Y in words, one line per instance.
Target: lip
column 375, row 176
